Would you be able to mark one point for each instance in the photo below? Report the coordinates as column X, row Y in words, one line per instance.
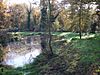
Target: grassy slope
column 71, row 56
column 89, row 48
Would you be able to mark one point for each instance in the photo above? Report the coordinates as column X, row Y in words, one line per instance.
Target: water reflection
column 23, row 51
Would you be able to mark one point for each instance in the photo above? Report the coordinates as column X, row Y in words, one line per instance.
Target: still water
column 23, row 52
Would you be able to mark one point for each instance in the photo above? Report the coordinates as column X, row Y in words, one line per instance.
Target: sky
column 10, row 2
column 23, row 1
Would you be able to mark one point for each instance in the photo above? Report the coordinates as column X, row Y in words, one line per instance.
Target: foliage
column 2, row 16
column 64, row 15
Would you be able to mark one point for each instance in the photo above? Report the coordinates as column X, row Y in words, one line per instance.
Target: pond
column 23, row 52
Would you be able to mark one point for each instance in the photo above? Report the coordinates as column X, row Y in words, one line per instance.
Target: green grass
column 25, row 33
column 88, row 44
column 89, row 48
column 9, row 71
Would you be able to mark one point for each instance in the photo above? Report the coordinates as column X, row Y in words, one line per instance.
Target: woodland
column 65, row 34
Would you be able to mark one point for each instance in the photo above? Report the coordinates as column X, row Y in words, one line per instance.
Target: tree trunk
column 49, row 22
column 28, row 20
column 80, row 19
column 43, row 25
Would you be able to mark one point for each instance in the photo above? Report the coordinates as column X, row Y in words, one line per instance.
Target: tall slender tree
column 50, row 25
column 80, row 18
column 47, row 19
column 29, row 12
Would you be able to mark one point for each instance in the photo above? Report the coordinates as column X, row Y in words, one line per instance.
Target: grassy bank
column 72, row 56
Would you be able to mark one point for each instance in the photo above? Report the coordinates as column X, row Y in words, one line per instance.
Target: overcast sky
column 23, row 1
column 20, row 1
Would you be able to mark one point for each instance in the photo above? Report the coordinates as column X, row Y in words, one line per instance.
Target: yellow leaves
column 36, row 13
column 3, row 15
column 1, row 5
column 98, row 70
column 7, row 15
column 98, row 13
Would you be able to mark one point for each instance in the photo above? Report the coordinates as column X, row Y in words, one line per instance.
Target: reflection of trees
column 30, row 58
column 17, row 49
column 28, row 39
column 4, row 39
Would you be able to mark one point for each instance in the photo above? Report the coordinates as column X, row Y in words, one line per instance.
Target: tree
column 43, row 27
column 2, row 16
column 80, row 19
column 98, row 14
column 46, row 22
column 68, row 19
column 29, row 11
column 2, row 26
column 17, row 16
column 36, row 18
column 43, row 21
column 50, row 23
